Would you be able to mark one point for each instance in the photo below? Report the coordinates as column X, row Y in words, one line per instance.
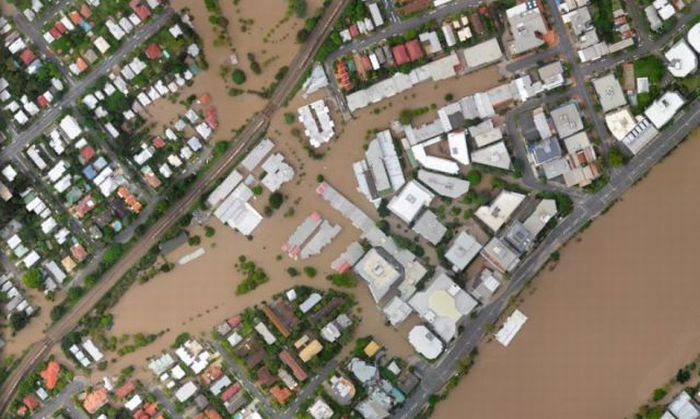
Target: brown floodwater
column 195, row 297
column 613, row 321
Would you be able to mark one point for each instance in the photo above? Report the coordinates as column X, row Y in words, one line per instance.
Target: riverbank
column 613, row 320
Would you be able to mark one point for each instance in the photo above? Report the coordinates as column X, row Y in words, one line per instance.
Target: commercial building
column 408, row 203
column 544, row 211
column 495, row 155
column 429, row 227
column 683, row 407
column 318, row 124
column 482, row 54
column 664, row 108
column 682, row 61
column 640, row 135
column 425, row 342
column 620, row 122
column 443, row 304
column 447, row 186
column 380, row 271
column 527, row 27
column 511, row 327
column 567, row 119
column 462, row 251
column 380, row 173
column 500, row 255
column 438, row 164
column 694, row 37
column 609, row 92
column 499, row 211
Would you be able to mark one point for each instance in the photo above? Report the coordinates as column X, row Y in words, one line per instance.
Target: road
column 268, row 410
column 64, row 400
column 46, row 119
column 250, row 134
column 435, row 378
column 310, row 389
column 166, row 403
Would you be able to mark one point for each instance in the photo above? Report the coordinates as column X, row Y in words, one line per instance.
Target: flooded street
column 613, row 321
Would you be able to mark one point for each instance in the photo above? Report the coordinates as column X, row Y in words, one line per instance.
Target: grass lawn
column 650, row 66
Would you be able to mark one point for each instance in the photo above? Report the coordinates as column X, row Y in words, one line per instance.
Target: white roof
column 620, row 122
column 443, row 304
column 425, row 342
column 500, row 209
column 462, row 251
column 609, row 92
column 481, row 54
column 682, row 60
column 495, row 155
column 694, row 37
column 458, row 147
column 91, row 349
column 437, row 164
column 412, row 198
column 186, row 391
column 511, row 327
column 663, row 109
column 70, row 127
column 133, row 403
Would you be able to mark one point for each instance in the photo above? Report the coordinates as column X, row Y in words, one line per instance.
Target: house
column 288, row 359
column 320, row 410
column 567, row 119
column 153, row 52
column 281, row 394
column 51, row 375
column 429, row 227
column 94, row 400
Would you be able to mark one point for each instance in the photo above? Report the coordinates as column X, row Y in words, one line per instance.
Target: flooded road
column 613, row 321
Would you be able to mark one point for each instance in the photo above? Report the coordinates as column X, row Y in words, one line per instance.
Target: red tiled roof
column 234, row 321
column 152, row 180
column 212, row 414
column 61, row 27
column 85, row 11
column 84, row 206
column 125, row 194
column 297, row 370
column 354, row 32
column 280, row 394
column 366, row 63
column 42, row 102
column 125, row 390
column 86, row 154
column 153, row 52
column 151, row 409
column 158, row 142
column 141, row 10
column 415, row 50
column 78, row 252
column 95, row 400
column 230, row 392
column 50, row 375
column 75, row 18
column 27, row 56
column 55, row 33
column 400, row 55
column 31, row 402
column 82, row 65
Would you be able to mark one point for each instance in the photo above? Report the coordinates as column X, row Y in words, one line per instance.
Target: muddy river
column 613, row 321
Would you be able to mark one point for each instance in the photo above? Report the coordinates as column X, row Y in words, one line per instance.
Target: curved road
column 252, row 132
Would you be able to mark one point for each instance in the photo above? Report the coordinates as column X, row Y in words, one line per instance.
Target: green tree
column 18, row 320
column 238, row 76
column 299, row 7
column 659, row 394
column 474, row 177
column 310, row 271
column 276, row 200
column 289, row 118
column 209, row 231
column 33, row 279
column 194, row 240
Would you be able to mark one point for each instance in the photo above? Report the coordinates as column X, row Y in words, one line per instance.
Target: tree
column 238, row 76
column 18, row 320
column 257, row 190
column 659, row 394
column 209, row 231
column 310, row 271
column 298, row 7
column 344, row 280
column 276, row 200
column 474, row 177
column 682, row 376
column 292, row 271
column 320, row 178
column 289, row 118
column 33, row 279
column 194, row 240
column 616, row 158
